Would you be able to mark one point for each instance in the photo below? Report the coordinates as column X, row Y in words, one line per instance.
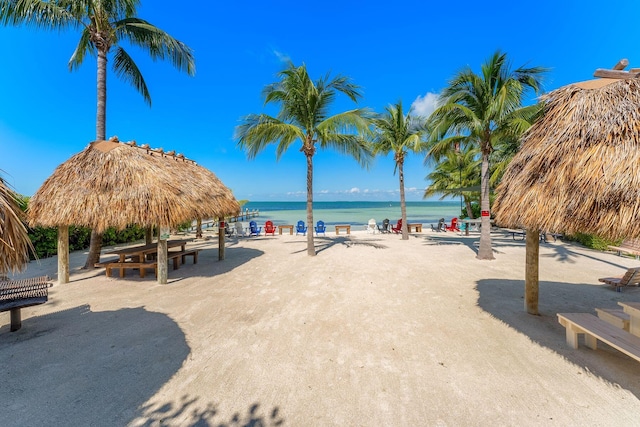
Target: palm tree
column 105, row 24
column 459, row 169
column 304, row 116
column 485, row 109
column 399, row 134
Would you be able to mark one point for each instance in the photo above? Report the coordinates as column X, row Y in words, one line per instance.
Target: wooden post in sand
column 163, row 261
column 221, row 228
column 63, row 254
column 531, row 284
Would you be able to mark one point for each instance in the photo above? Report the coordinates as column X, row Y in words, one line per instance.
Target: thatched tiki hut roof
column 578, row 169
column 113, row 184
column 14, row 240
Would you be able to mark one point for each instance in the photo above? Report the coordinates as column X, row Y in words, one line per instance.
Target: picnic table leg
column 16, row 320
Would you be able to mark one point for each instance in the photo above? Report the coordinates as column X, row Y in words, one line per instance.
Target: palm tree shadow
column 324, row 243
column 91, row 368
column 504, row 299
column 189, row 412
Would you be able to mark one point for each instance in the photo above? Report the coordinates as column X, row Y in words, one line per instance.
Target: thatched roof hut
column 14, row 241
column 113, row 184
column 578, row 169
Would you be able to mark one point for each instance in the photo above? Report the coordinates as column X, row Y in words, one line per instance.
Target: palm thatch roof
column 113, row 184
column 578, row 169
column 14, row 240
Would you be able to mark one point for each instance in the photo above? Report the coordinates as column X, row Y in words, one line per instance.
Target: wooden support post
column 63, row 254
column 163, row 257
column 221, row 228
column 16, row 319
column 148, row 235
column 621, row 65
column 531, row 284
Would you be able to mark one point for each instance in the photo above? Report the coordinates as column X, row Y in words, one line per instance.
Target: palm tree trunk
column 467, row 204
column 311, row 249
column 101, row 124
column 403, row 205
column 485, row 251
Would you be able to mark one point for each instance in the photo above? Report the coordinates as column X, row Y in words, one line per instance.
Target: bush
column 592, row 241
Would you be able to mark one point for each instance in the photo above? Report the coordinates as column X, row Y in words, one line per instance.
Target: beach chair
column 398, row 227
column 301, row 228
column 240, row 230
column 440, row 227
column 630, row 278
column 453, row 226
column 269, row 228
column 372, row 226
column 254, row 230
column 228, row 230
column 320, row 228
column 385, row 227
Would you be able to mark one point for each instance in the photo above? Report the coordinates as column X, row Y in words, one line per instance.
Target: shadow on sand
column 504, row 299
column 189, row 413
column 78, row 367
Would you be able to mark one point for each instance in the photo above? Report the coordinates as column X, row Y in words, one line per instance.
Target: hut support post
column 63, row 254
column 531, row 284
column 163, row 261
column 221, row 241
column 148, row 235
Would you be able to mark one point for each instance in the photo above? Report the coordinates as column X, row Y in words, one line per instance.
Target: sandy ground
column 372, row 331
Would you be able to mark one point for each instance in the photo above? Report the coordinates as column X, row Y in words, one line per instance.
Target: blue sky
column 405, row 50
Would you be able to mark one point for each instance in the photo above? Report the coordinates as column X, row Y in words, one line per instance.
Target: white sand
column 372, row 331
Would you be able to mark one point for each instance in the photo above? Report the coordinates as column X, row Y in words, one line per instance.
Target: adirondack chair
column 385, row 226
column 440, row 227
column 320, row 228
column 269, row 228
column 301, row 228
column 372, row 226
column 453, row 226
column 398, row 227
column 228, row 230
column 240, row 230
column 254, row 230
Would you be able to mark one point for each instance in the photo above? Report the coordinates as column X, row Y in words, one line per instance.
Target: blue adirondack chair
column 301, row 228
column 320, row 228
column 254, row 230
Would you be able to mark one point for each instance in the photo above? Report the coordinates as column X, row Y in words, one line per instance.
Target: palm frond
column 127, row 70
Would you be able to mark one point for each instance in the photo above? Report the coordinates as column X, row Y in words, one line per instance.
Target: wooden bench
column 142, row 266
column 617, row 318
column 595, row 329
column 17, row 294
column 631, row 277
column 177, row 257
column 628, row 246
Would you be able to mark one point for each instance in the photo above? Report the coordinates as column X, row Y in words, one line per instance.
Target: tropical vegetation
column 398, row 133
column 484, row 109
column 104, row 25
column 304, row 117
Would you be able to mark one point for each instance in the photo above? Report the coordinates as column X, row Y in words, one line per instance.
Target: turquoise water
column 354, row 213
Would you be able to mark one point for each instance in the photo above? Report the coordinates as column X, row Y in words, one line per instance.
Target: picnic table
column 137, row 257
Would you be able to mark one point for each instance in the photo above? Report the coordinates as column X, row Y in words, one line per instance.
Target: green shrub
column 592, row 241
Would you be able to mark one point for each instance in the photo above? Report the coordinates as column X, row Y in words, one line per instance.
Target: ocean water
column 354, row 213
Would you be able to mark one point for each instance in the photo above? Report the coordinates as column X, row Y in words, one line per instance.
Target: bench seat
column 17, row 294
column 595, row 329
column 142, row 266
column 181, row 256
column 628, row 246
column 617, row 317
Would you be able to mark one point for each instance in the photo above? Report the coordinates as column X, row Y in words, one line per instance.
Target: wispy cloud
column 424, row 105
column 282, row 57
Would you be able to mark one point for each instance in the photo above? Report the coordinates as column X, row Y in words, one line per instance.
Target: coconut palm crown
column 484, row 109
column 104, row 24
column 304, row 117
column 398, row 133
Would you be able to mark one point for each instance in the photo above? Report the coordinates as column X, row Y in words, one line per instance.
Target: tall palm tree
column 398, row 133
column 104, row 24
column 459, row 169
column 304, row 116
column 485, row 109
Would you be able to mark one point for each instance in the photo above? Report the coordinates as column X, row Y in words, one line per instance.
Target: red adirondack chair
column 398, row 227
column 269, row 228
column 453, row 226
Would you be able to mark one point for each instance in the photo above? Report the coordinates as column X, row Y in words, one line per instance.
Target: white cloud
column 282, row 57
column 354, row 190
column 424, row 105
